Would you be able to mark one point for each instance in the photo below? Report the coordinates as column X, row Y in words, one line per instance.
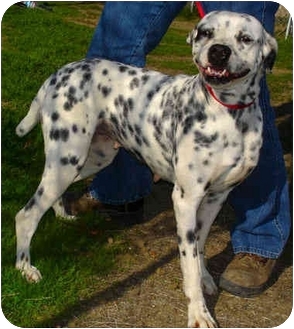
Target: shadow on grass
column 113, row 292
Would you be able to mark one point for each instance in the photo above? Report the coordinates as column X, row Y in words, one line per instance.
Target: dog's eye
column 205, row 34
column 245, row 39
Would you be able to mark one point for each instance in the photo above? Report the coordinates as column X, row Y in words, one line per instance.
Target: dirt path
column 146, row 288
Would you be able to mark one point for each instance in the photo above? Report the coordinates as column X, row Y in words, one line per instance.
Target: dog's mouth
column 215, row 75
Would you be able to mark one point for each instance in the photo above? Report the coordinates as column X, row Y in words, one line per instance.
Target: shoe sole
column 240, row 291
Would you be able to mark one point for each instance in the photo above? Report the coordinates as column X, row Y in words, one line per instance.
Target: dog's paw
column 199, row 317
column 31, row 274
column 67, row 218
column 61, row 213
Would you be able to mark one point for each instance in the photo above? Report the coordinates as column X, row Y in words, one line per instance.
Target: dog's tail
column 32, row 117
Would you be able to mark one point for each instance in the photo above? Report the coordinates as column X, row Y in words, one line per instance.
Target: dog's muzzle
column 217, row 72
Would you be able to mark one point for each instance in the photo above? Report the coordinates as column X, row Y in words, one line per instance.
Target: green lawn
column 73, row 258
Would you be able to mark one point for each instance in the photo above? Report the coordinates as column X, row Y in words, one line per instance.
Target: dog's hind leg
column 101, row 153
column 55, row 180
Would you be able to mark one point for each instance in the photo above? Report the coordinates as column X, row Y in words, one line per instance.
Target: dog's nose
column 218, row 55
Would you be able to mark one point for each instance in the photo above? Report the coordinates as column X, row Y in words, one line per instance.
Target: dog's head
column 228, row 46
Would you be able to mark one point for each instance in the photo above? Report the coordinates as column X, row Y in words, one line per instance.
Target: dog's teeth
column 209, row 70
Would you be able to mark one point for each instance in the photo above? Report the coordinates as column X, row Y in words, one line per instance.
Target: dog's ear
column 269, row 50
column 191, row 36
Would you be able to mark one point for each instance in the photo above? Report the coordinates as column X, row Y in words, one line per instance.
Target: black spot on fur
column 53, row 81
column 123, row 68
column 205, row 162
column 145, row 78
column 132, row 72
column 73, row 160
column 54, row 116
column 64, row 79
column 138, row 140
column 86, row 67
column 86, row 78
column 195, row 253
column 243, row 127
column 64, row 134
column 72, row 90
column 30, row 204
column 54, row 134
column 204, row 140
column 207, row 186
column 58, row 85
column 150, row 94
column 40, row 191
column 105, row 91
column 64, row 161
column 182, row 193
column 114, row 120
column 74, row 128
column 130, row 103
column 188, row 123
column 190, row 236
column 134, row 83
column 67, row 106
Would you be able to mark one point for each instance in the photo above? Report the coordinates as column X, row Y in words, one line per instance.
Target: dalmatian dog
column 203, row 133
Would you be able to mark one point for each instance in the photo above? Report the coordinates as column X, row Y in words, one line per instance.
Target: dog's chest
column 222, row 146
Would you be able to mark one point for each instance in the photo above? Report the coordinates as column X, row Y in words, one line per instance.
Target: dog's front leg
column 188, row 230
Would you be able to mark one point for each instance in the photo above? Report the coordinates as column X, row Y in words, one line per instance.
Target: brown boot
column 247, row 275
column 78, row 203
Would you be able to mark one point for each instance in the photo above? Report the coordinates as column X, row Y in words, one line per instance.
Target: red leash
column 200, row 9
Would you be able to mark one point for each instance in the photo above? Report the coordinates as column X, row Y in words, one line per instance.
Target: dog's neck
column 236, row 106
column 233, row 97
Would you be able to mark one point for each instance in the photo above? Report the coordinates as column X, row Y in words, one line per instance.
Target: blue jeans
column 127, row 32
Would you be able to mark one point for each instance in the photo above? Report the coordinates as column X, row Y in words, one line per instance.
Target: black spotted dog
column 202, row 133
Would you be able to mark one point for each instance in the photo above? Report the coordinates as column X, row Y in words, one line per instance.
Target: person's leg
column 261, row 202
column 128, row 30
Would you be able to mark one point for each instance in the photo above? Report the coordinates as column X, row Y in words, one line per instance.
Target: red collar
column 229, row 106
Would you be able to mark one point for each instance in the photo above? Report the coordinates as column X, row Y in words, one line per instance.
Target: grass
column 72, row 258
